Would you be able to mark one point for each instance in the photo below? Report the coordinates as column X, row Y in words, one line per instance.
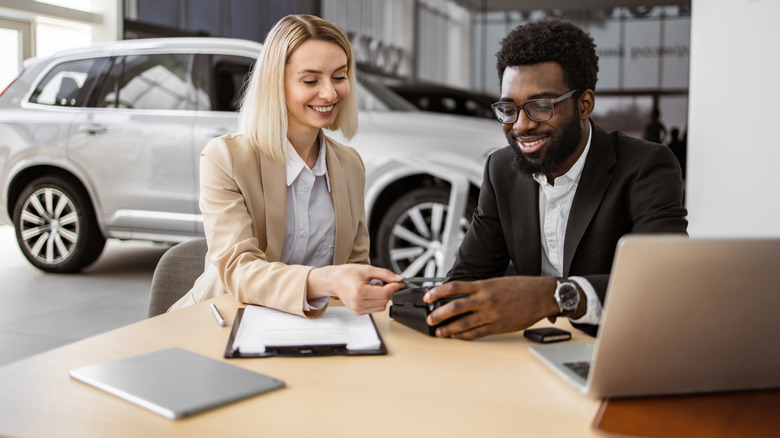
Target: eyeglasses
column 538, row 110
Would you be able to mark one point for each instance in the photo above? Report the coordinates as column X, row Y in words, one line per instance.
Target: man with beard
column 557, row 199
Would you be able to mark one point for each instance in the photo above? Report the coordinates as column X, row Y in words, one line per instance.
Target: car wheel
column 56, row 226
column 409, row 237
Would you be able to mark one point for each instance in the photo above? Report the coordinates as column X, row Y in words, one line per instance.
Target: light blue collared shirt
column 310, row 232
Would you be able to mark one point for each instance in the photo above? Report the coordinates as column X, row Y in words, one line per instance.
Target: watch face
column 567, row 296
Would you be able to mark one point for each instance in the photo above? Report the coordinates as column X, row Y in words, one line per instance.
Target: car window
column 107, row 91
column 220, row 82
column 158, row 82
column 479, row 109
column 373, row 96
column 69, row 83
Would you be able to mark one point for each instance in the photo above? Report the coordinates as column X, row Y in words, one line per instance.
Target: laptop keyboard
column 579, row 368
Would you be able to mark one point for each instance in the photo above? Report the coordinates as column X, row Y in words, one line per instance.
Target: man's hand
column 497, row 305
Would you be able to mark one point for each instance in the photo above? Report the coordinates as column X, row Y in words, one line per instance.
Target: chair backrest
column 67, row 92
column 175, row 274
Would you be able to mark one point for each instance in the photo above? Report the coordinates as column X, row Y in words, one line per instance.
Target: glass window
column 81, row 5
column 106, row 95
column 158, row 82
column 221, row 81
column 52, row 36
column 10, row 54
column 68, row 84
column 373, row 96
column 15, row 46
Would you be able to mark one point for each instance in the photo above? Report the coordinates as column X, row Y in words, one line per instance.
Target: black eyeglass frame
column 552, row 103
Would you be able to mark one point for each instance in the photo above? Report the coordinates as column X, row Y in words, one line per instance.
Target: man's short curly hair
column 552, row 40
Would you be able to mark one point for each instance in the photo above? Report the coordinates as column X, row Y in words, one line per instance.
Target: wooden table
column 425, row 387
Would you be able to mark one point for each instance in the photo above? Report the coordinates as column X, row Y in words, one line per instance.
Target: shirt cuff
column 593, row 314
column 314, row 303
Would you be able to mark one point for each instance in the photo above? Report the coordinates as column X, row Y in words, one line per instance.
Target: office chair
column 175, row 274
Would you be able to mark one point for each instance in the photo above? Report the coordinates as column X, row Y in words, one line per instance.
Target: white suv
column 103, row 142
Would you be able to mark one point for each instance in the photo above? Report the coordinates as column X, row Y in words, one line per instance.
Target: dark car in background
column 449, row 100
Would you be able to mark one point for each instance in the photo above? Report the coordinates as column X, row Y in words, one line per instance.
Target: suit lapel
column 593, row 184
column 523, row 199
column 338, row 187
column 274, row 179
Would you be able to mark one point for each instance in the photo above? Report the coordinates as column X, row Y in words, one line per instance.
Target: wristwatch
column 567, row 296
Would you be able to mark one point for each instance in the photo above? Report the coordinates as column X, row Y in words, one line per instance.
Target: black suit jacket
column 627, row 185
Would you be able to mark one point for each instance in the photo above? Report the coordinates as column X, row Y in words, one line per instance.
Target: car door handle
column 93, row 129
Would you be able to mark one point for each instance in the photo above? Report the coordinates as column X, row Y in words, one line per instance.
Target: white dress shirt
column 554, row 209
column 310, row 232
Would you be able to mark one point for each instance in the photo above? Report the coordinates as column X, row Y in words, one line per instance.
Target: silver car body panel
column 154, row 154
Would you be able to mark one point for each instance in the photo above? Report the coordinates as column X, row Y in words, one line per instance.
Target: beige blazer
column 243, row 199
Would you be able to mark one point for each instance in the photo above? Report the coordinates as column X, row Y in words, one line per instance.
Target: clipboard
column 302, row 347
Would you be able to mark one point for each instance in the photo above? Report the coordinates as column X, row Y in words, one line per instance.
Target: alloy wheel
column 49, row 225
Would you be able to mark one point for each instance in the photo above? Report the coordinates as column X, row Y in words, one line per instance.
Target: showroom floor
column 40, row 311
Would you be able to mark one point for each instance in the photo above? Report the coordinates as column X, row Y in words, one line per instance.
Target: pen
column 217, row 316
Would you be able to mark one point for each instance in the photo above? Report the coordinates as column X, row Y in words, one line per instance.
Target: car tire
column 408, row 238
column 56, row 227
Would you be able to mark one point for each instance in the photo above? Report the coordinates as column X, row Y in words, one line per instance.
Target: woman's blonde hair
column 263, row 116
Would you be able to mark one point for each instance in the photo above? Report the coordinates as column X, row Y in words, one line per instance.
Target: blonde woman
column 282, row 203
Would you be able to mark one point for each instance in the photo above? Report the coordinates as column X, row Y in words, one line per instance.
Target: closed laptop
column 175, row 383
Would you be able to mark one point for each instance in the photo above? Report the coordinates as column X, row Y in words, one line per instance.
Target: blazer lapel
column 593, row 184
column 523, row 199
column 338, row 186
column 273, row 176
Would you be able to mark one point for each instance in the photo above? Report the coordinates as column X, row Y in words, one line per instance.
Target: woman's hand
column 351, row 283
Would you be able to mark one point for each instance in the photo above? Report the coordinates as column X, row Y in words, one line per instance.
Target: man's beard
column 558, row 149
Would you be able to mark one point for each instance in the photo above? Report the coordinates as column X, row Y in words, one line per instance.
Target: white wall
column 733, row 186
column 110, row 28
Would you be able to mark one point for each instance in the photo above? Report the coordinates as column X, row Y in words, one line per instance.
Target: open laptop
column 681, row 316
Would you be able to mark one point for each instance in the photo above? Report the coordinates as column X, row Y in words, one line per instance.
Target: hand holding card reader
column 409, row 309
